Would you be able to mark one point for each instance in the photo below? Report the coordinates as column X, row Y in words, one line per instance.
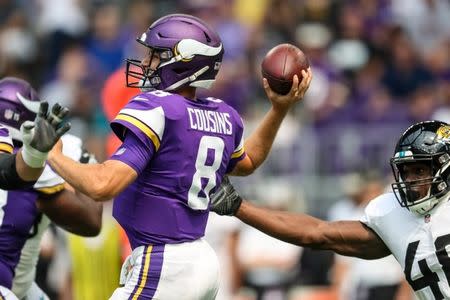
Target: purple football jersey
column 186, row 148
column 21, row 221
column 18, row 215
column 7, row 243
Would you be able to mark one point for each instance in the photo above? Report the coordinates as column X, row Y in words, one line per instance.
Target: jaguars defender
column 412, row 223
column 26, row 213
column 176, row 149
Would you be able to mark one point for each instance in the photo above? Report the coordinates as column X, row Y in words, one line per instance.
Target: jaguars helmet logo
column 443, row 133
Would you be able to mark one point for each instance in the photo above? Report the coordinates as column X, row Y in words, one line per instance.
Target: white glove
column 32, row 157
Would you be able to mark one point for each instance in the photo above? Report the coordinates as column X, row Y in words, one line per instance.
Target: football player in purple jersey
column 23, row 168
column 176, row 149
column 25, row 213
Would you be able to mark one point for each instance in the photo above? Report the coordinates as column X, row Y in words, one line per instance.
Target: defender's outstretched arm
column 351, row 238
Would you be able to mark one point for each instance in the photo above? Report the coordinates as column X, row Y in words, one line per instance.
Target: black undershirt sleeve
column 9, row 179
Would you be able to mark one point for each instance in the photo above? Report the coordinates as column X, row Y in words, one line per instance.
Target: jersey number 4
column 429, row 278
column 198, row 195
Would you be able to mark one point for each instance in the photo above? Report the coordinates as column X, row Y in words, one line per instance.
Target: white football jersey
column 49, row 182
column 361, row 274
column 421, row 244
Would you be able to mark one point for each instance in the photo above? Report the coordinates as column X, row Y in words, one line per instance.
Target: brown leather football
column 280, row 65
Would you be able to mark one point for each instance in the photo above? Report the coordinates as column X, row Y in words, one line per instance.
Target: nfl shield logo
column 8, row 114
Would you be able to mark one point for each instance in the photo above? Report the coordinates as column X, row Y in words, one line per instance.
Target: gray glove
column 49, row 127
column 226, row 200
column 40, row 136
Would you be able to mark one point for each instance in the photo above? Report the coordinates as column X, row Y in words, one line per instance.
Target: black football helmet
column 427, row 143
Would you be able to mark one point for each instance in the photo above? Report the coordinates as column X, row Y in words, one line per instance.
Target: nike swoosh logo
column 32, row 106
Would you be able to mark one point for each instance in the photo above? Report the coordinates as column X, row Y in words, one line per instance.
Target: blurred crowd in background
column 378, row 67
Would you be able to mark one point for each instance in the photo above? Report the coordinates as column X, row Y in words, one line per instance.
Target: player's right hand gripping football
column 226, row 200
column 43, row 133
column 296, row 93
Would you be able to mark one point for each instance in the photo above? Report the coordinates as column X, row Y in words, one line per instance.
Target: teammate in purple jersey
column 26, row 213
column 176, row 150
column 22, row 169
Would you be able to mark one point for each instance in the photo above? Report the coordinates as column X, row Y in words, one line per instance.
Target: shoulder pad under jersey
column 378, row 208
column 50, row 182
column 145, row 116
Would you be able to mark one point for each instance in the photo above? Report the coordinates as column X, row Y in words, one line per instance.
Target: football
column 280, row 65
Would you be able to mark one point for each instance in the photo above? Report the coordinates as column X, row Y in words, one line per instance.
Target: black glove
column 225, row 201
column 49, row 127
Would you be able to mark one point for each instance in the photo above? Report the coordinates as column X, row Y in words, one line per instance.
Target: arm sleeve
column 9, row 179
column 134, row 152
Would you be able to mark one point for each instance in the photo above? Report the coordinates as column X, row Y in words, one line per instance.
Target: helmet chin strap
column 191, row 78
column 426, row 206
column 432, row 202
